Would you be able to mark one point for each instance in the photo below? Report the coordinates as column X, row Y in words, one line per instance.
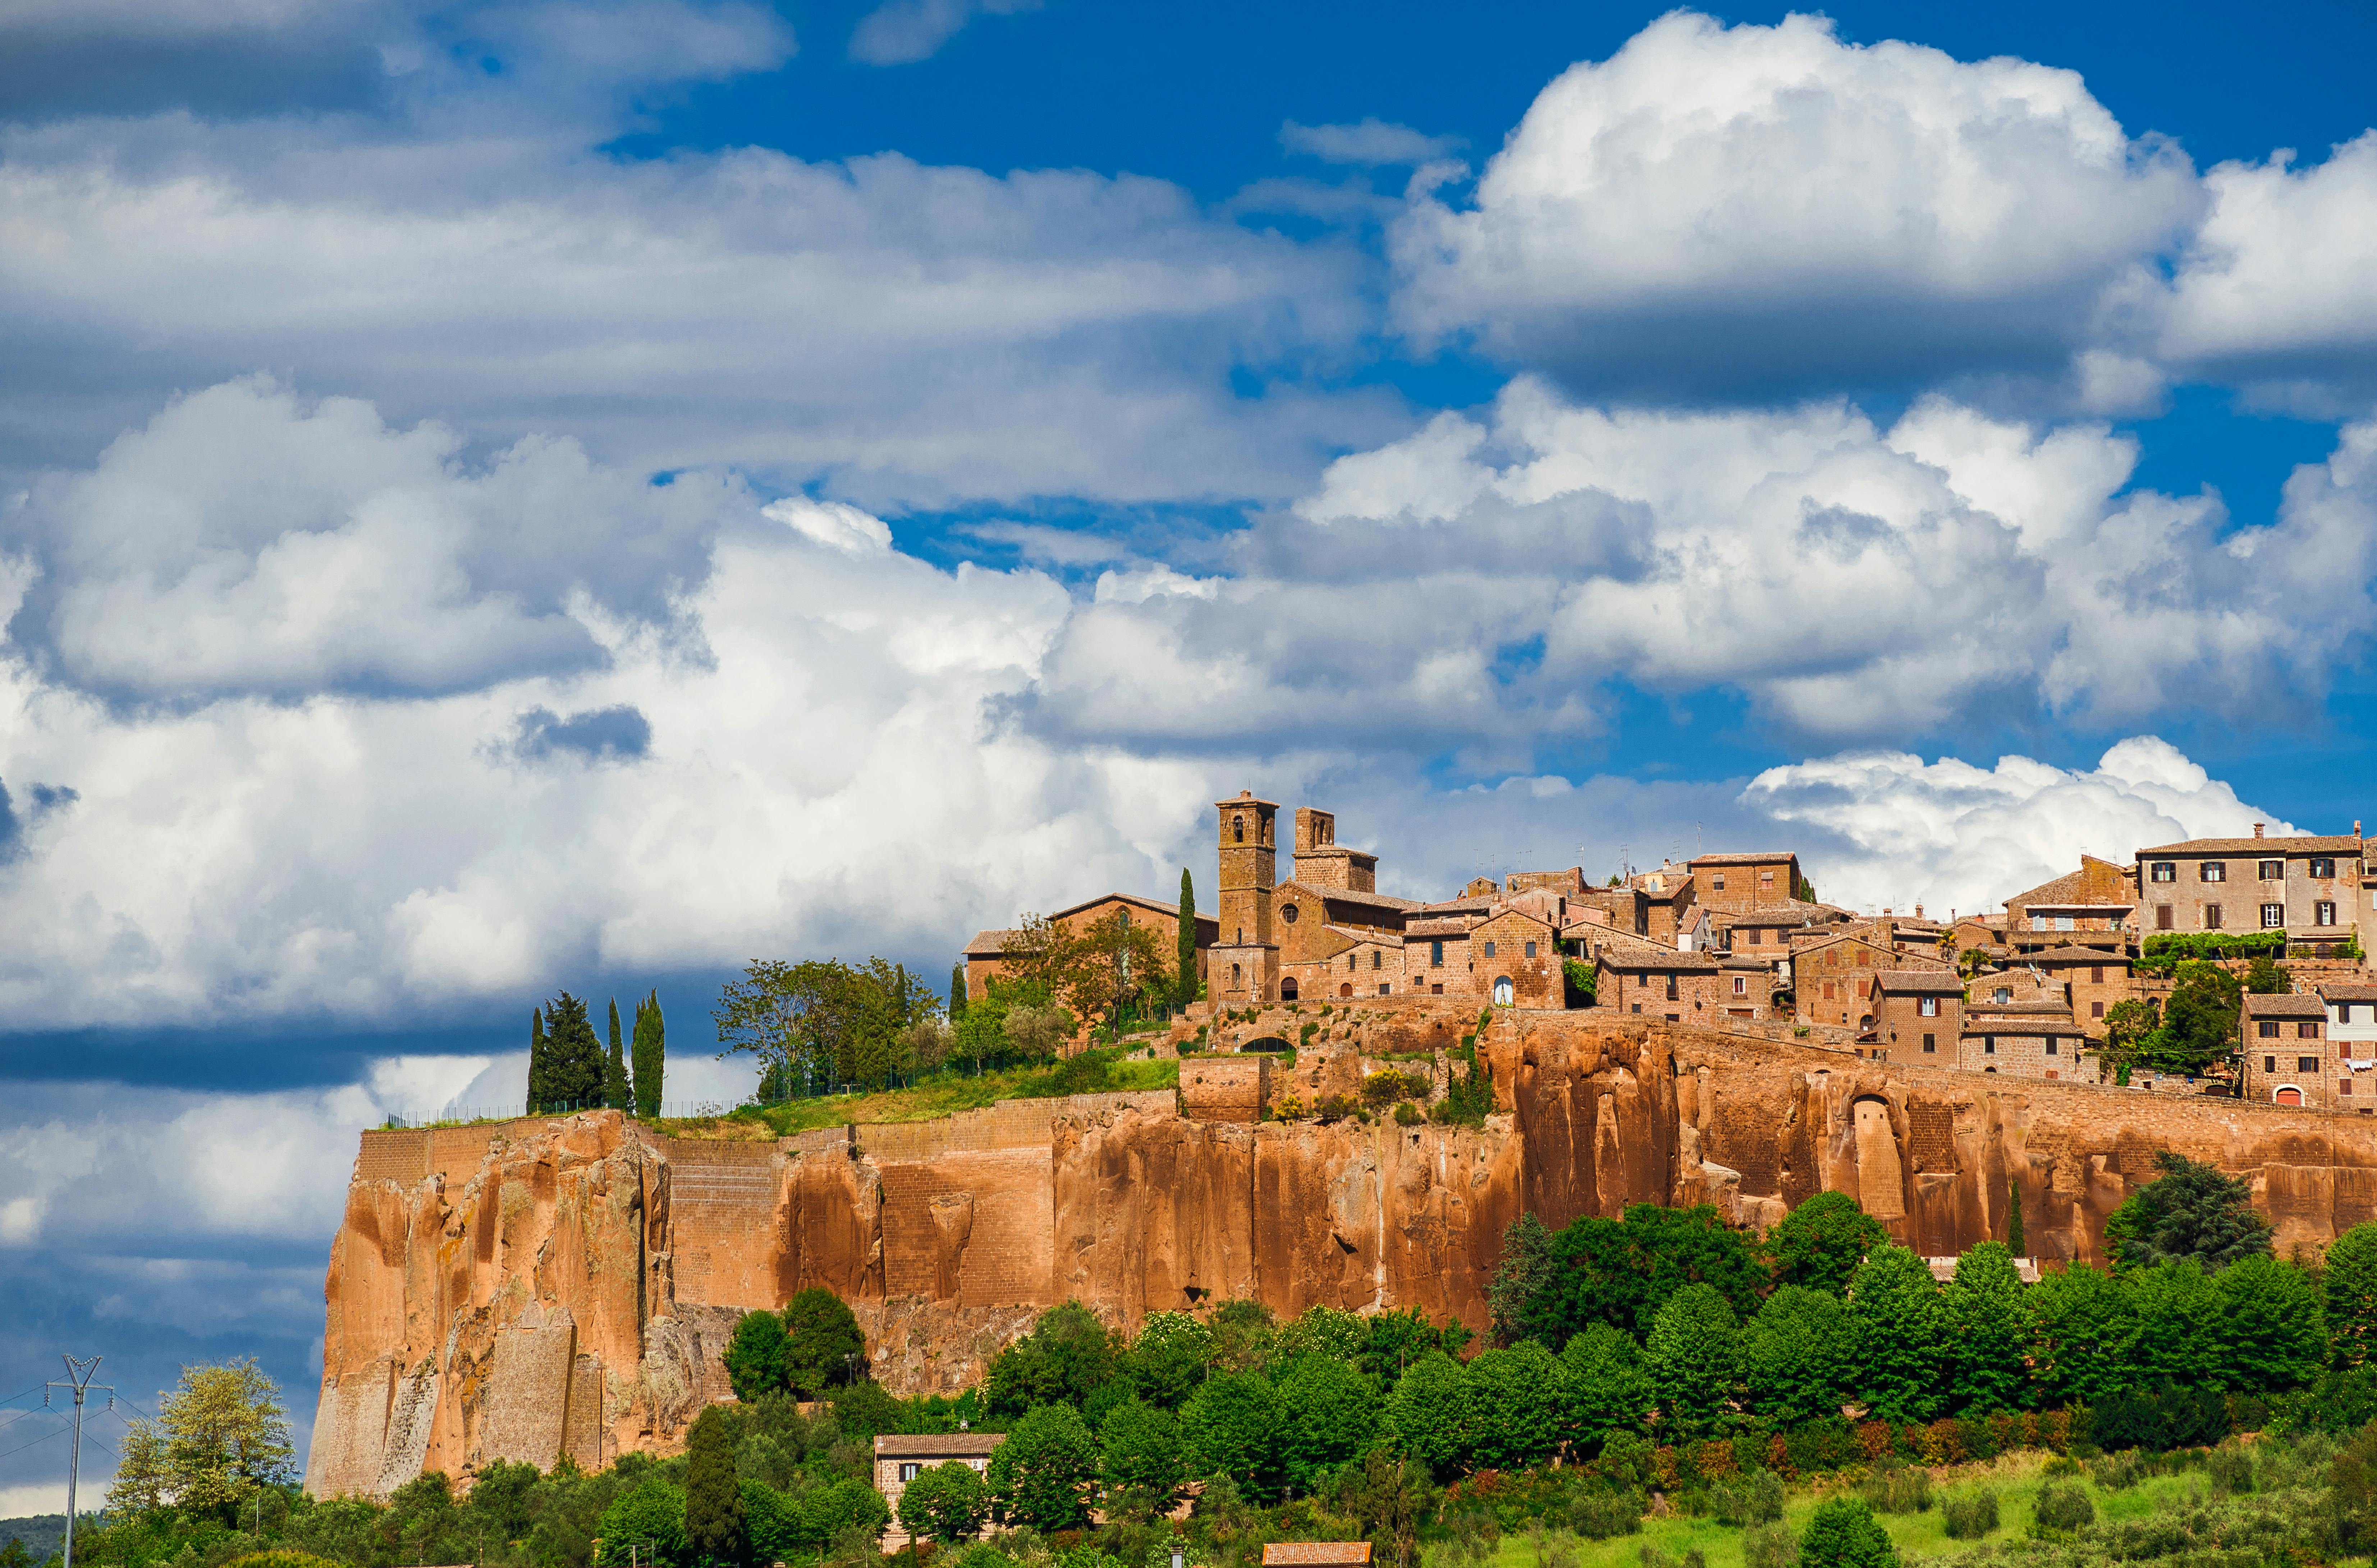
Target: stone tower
column 1244, row 965
column 1319, row 862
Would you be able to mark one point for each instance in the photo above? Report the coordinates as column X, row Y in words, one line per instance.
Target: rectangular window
column 1490, row 950
column 1740, row 986
column 1765, row 879
column 2269, row 1063
column 1828, row 991
column 1928, row 1008
column 1531, row 949
column 2344, row 1085
column 1671, row 985
column 1351, row 959
column 2050, row 1045
column 2322, row 913
column 2269, row 1029
column 2306, row 1064
column 1719, row 882
column 2165, row 871
column 909, row 1472
column 2214, row 870
column 2273, row 915
column 2306, row 1031
column 1436, row 955
column 2274, row 870
column 1756, row 937
column 1930, row 1045
column 2095, row 1009
column 1383, row 988
column 1375, row 957
column 2323, row 866
column 2063, row 922
column 2096, row 974
column 1989, row 1045
column 2162, row 916
column 2212, row 917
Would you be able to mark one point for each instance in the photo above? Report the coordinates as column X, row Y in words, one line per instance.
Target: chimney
column 1918, row 911
column 2257, row 830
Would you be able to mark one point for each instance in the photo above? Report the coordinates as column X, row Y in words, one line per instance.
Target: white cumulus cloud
column 1740, row 210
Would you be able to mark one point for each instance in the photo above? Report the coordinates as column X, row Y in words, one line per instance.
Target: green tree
column 772, row 1522
column 2015, row 1242
column 1515, row 1407
column 2082, row 1323
column 1141, row 1443
column 1396, row 1340
column 1046, row 1472
column 573, row 1059
column 651, row 1056
column 947, row 1502
column 218, row 1439
column 647, row 1523
column 1244, row 1336
column 1798, row 1356
column 1428, row 1413
column 2174, row 1331
column 1525, row 1264
column 822, row 1342
column 1693, row 1356
column 2128, row 1025
column 755, row 1358
column 2265, row 976
column 2351, row 1280
column 1184, row 967
column 1607, row 1391
column 2189, row 1211
column 1320, row 1330
column 714, row 1498
column 821, row 1020
column 1989, row 1330
column 2199, row 1021
column 1842, row 1533
column 1328, row 1415
column 957, row 990
column 1231, row 1427
column 1902, row 1348
column 617, row 1092
column 1067, row 1357
column 1168, row 1360
column 1820, row 1244
column 1621, row 1272
column 537, row 1065
column 2271, row 1326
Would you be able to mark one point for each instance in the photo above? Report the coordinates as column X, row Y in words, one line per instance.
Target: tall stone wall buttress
column 546, row 1287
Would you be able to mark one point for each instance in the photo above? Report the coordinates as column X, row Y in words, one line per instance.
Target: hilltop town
column 2040, row 987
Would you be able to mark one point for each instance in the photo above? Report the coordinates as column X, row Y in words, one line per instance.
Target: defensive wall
column 542, row 1287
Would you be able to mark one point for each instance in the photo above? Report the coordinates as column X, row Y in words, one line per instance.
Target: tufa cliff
column 564, row 1286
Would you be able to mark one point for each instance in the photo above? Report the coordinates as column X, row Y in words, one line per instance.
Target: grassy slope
column 938, row 1097
column 2016, row 1479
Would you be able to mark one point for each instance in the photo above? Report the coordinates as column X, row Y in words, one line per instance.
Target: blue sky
column 501, row 496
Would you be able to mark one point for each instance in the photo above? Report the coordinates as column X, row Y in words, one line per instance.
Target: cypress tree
column 650, row 1057
column 1184, row 981
column 617, row 1093
column 536, row 1063
column 956, row 992
column 2014, row 1242
column 573, row 1073
column 713, row 1499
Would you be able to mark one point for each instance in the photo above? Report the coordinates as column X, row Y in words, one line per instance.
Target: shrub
column 281, row 1559
column 1754, row 1499
column 2119, row 1472
column 1970, row 1515
column 2063, row 1506
column 1600, row 1513
column 1770, row 1546
column 2232, row 1469
column 1842, row 1534
column 1898, row 1490
column 1407, row 1115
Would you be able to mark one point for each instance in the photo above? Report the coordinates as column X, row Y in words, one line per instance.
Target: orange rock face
column 551, row 1287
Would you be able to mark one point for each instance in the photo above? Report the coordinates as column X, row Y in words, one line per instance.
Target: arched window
column 1237, row 830
column 1345, row 991
column 1502, row 992
column 1288, row 990
column 1235, row 974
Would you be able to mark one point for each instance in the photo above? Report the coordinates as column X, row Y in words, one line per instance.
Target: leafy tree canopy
column 1047, row 1471
column 822, row 1342
column 946, row 1502
column 1068, row 1355
column 1622, row 1272
column 2189, row 1211
column 219, row 1436
column 1820, row 1243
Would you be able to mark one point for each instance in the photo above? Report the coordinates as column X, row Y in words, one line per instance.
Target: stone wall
column 566, row 1287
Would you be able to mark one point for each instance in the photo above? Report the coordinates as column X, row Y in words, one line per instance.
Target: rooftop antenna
column 78, row 1378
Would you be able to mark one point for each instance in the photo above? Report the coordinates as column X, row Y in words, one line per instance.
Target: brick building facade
column 2307, row 886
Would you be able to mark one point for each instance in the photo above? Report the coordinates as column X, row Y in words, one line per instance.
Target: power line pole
column 78, row 1378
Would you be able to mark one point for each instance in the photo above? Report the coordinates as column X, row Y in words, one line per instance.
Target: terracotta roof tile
column 2286, row 1006
column 947, row 1445
column 2306, row 844
column 988, row 944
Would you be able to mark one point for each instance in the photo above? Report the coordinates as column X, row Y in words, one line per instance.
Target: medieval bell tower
column 1244, row 965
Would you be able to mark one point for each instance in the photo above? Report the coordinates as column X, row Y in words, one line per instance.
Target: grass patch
column 2015, row 1478
column 1094, row 1072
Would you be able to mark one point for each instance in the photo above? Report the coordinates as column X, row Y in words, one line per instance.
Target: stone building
column 1638, row 976
column 2089, row 907
column 2305, row 886
column 1735, row 883
column 1919, row 1015
column 1517, row 960
column 2033, row 1039
column 1833, row 970
column 2286, row 1055
column 2094, row 979
column 899, row 1459
column 2352, row 1020
column 986, row 954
